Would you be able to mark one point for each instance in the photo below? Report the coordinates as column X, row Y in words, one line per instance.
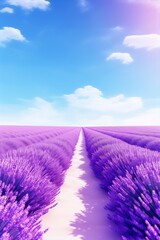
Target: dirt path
column 79, row 214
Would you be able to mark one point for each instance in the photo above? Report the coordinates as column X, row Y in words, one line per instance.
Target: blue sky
column 80, row 62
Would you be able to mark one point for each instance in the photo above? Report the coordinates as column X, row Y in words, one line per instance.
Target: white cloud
column 30, row 4
column 148, row 41
column 8, row 34
column 35, row 112
column 153, row 3
column 147, row 118
column 92, row 99
column 85, row 107
column 117, row 29
column 40, row 112
column 7, row 10
column 125, row 58
column 83, row 4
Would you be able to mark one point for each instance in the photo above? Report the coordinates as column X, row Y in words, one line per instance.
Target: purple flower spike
column 134, row 202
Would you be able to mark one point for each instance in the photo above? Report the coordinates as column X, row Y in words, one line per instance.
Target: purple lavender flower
column 134, row 202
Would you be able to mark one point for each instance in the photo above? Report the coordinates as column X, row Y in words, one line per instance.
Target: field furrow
column 79, row 213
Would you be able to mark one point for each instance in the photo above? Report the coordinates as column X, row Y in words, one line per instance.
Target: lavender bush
column 134, row 202
column 150, row 142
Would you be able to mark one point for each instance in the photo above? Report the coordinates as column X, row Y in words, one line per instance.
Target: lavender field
column 80, row 120
column 72, row 183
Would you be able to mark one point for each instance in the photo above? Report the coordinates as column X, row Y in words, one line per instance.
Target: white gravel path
column 79, row 214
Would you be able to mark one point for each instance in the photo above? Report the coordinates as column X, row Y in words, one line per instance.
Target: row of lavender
column 17, row 131
column 147, row 139
column 32, row 169
column 15, row 137
column 130, row 175
column 148, row 131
